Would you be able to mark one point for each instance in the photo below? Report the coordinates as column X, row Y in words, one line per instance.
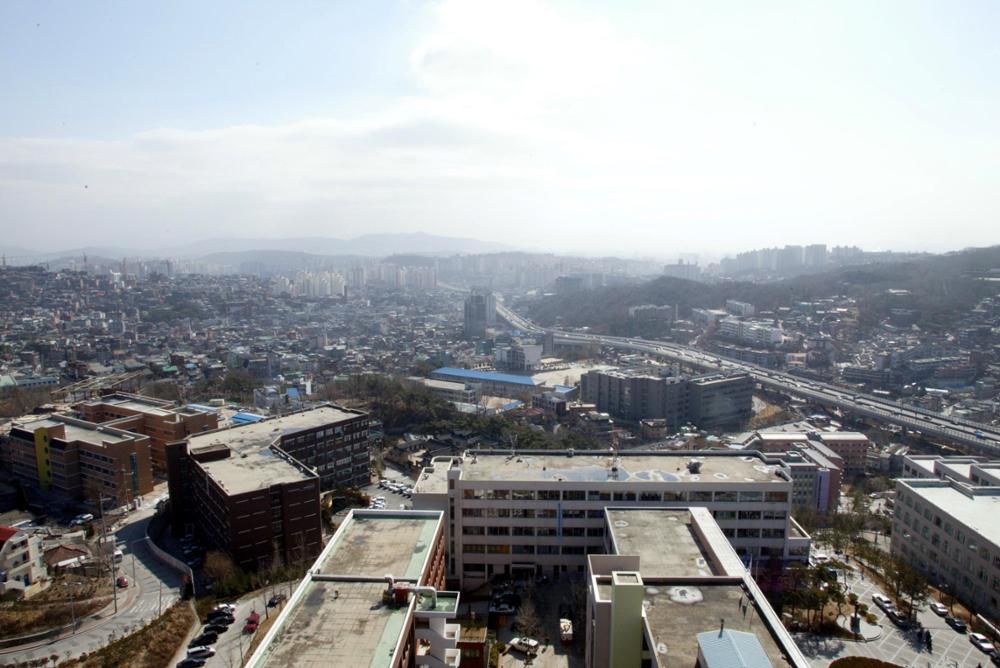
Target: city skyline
column 549, row 126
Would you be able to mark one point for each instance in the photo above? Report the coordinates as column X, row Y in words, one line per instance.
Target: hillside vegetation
column 943, row 286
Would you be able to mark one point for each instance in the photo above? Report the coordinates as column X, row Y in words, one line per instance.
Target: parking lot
column 393, row 499
column 951, row 648
column 547, row 599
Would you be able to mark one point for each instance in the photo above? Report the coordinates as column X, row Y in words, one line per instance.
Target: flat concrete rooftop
column 249, row 469
column 78, row 430
column 252, row 464
column 980, row 512
column 139, row 407
column 265, row 432
column 585, row 467
column 337, row 624
column 382, row 543
column 677, row 613
column 663, row 540
column 345, row 622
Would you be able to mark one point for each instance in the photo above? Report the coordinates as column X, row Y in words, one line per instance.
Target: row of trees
column 812, row 589
column 403, row 406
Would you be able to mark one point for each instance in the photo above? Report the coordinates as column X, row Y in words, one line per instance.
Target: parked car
column 939, row 608
column 956, row 623
column 881, row 601
column 275, row 600
column 216, row 627
column 250, row 627
column 565, row 631
column 201, row 652
column 502, row 609
column 220, row 617
column 81, row 519
column 512, row 600
column 982, row 643
column 204, row 639
column 225, row 607
column 191, row 662
column 525, row 644
column 122, row 581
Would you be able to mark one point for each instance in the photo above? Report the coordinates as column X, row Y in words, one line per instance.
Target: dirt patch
column 68, row 597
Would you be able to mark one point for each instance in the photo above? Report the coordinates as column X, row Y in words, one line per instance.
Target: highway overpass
column 973, row 436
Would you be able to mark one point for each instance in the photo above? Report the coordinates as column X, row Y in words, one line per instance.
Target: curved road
column 154, row 586
column 976, row 436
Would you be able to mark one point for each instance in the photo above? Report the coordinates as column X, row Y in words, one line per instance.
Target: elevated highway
column 974, row 436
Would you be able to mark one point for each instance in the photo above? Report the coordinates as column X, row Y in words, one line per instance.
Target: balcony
column 451, row 658
column 439, row 636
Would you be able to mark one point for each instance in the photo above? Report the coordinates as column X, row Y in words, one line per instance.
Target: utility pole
column 111, row 556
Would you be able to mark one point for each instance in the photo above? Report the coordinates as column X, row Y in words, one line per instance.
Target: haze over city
column 495, row 334
column 574, row 127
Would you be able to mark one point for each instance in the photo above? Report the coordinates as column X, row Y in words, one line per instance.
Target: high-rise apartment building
column 480, row 313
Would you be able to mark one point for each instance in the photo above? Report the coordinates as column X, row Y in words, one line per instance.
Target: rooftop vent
column 694, row 466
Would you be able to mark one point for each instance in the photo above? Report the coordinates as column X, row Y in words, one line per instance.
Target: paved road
column 152, row 586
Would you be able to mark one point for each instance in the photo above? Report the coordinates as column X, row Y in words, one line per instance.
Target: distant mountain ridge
column 368, row 245
column 943, row 287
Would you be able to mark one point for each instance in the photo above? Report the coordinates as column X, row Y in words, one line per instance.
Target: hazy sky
column 643, row 127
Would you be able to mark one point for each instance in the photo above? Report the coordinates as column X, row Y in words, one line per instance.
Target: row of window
column 532, row 549
column 595, row 495
column 596, row 514
column 589, row 532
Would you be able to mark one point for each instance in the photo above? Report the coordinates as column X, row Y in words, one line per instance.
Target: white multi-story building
column 950, row 531
column 373, row 598
column 670, row 591
column 22, row 570
column 755, row 332
column 541, row 512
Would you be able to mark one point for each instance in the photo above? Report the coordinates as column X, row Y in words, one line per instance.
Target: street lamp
column 72, row 604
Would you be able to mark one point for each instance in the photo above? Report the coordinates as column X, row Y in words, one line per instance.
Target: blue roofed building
column 726, row 648
column 491, row 382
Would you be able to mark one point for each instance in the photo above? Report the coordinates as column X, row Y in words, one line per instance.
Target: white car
column 226, row 607
column 526, row 645
column 939, row 608
column 202, row 652
column 881, row 601
column 982, row 643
